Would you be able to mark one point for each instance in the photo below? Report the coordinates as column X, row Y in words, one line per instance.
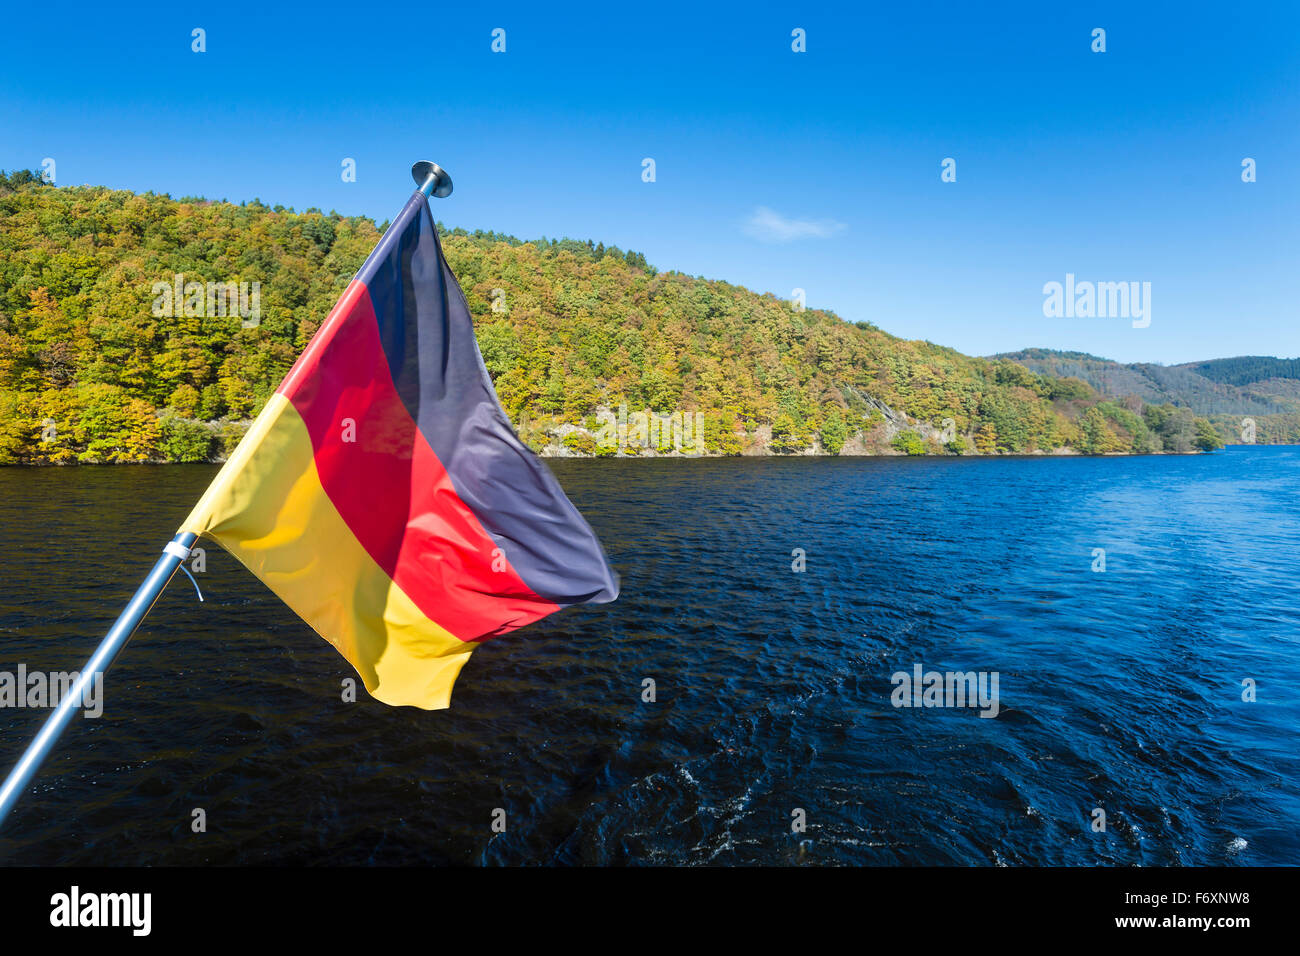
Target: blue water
column 1120, row 690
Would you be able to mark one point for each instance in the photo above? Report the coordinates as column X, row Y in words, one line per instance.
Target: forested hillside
column 94, row 369
column 1261, row 391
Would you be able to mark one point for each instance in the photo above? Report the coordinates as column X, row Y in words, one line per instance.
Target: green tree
column 788, row 437
column 1207, row 439
column 184, row 440
column 834, row 432
column 909, row 442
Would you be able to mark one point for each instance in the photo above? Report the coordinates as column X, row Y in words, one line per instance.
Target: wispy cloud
column 769, row 225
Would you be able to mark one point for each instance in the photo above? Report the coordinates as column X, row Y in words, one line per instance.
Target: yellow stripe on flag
column 267, row 507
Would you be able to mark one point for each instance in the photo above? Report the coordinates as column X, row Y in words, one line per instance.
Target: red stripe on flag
column 390, row 487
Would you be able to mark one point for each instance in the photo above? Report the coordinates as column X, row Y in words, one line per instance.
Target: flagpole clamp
column 177, row 550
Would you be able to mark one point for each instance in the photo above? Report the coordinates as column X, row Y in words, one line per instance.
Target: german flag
column 383, row 495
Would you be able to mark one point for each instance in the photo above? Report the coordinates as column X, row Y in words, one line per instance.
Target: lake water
column 1119, row 690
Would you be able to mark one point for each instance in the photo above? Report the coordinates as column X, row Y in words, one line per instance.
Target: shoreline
column 573, row 456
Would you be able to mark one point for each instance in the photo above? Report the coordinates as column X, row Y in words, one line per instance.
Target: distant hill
column 107, row 356
column 1226, row 390
column 1248, row 369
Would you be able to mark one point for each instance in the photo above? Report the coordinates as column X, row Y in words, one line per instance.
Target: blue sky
column 775, row 170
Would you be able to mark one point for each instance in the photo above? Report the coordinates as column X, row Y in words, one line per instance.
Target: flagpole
column 433, row 181
column 177, row 550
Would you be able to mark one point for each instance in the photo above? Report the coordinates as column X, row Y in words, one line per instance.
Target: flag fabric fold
column 383, row 495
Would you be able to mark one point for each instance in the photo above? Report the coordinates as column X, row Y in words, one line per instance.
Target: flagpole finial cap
column 431, row 178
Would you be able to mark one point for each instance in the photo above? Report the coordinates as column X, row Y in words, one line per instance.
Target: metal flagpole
column 177, row 550
column 433, row 181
